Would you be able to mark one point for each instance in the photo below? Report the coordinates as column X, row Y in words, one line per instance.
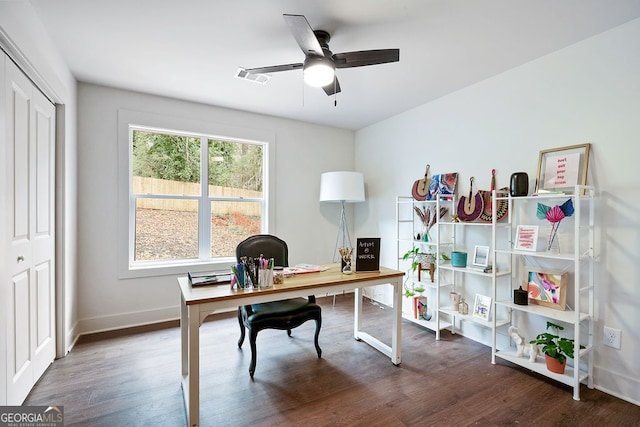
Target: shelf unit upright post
column 583, row 252
column 406, row 224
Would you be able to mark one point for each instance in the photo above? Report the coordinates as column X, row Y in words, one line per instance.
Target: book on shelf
column 208, row 278
column 487, row 269
column 420, row 307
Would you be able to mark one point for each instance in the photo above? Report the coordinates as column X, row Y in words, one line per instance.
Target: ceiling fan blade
column 366, row 57
column 303, row 33
column 332, row 88
column 273, row 69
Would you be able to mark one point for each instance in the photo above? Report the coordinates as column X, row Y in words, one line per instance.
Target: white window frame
column 130, row 120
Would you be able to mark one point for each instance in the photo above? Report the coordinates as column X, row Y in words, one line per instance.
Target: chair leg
column 317, row 334
column 241, row 340
column 289, row 332
column 252, row 342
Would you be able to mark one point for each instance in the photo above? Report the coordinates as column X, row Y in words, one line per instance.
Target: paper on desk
column 304, row 268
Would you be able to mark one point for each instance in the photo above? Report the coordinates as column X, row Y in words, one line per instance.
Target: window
column 191, row 197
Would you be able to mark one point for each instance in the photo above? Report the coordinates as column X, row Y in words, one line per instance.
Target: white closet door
column 30, row 130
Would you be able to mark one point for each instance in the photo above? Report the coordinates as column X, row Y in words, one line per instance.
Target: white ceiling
column 191, row 49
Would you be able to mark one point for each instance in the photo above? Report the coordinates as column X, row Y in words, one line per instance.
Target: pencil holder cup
column 265, row 278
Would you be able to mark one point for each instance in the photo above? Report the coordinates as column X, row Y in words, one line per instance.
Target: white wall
column 302, row 153
column 588, row 92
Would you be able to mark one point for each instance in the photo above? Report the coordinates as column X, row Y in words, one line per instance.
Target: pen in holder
column 345, row 255
column 265, row 272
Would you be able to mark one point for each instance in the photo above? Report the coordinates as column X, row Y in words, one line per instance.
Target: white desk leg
column 184, row 337
column 190, row 334
column 357, row 313
column 396, row 332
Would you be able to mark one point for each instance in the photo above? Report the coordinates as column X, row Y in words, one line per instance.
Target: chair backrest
column 264, row 244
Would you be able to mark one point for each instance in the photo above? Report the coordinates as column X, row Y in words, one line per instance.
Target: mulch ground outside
column 165, row 234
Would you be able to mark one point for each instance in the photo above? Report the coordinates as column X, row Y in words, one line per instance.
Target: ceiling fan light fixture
column 318, row 71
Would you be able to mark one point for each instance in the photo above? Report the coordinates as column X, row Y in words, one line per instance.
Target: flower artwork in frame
column 482, row 307
column 561, row 169
column 547, row 288
column 526, row 238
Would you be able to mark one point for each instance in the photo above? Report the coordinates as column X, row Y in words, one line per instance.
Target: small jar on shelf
column 463, row 307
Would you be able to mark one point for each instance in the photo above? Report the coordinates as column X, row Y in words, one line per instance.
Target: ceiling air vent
column 256, row 78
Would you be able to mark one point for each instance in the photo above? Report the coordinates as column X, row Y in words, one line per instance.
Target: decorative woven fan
column 501, row 207
column 470, row 208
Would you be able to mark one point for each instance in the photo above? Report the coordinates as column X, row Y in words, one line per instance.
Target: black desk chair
column 284, row 314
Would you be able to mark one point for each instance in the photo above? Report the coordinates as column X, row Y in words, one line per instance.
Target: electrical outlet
column 612, row 337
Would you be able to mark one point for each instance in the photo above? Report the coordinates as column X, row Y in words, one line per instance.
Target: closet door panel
column 29, row 225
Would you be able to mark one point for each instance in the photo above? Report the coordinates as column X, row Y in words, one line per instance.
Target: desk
column 197, row 303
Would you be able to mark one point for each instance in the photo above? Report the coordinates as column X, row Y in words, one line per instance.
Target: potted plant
column 411, row 254
column 555, row 349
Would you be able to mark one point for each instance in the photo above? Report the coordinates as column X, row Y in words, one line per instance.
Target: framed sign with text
column 561, row 169
column 526, row 238
column 368, row 254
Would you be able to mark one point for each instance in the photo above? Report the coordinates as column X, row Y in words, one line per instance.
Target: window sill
column 175, row 268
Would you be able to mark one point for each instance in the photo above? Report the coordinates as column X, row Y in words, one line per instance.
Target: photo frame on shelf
column 481, row 256
column 482, row 307
column 526, row 238
column 561, row 169
column 547, row 288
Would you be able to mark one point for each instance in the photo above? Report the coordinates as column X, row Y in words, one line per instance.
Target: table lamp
column 343, row 187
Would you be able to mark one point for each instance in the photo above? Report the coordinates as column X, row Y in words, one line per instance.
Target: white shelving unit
column 578, row 259
column 458, row 275
column 408, row 226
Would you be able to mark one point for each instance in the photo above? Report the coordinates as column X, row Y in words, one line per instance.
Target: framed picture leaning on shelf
column 481, row 256
column 482, row 307
column 547, row 288
column 561, row 169
column 526, row 238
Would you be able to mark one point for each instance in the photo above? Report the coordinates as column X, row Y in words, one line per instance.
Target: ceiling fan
column 320, row 63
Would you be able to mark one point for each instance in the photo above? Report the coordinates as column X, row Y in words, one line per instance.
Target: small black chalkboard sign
column 368, row 254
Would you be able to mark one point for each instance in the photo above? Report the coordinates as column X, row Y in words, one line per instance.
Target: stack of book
column 201, row 279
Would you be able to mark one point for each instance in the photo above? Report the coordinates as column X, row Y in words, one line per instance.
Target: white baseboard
column 618, row 385
column 127, row 320
column 72, row 336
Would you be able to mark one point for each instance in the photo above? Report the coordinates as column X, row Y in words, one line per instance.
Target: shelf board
column 539, row 254
column 469, row 317
column 541, row 368
column 483, row 224
column 567, row 316
column 472, row 270
column 429, row 324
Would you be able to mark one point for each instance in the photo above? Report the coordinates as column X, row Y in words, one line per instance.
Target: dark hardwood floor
column 134, row 380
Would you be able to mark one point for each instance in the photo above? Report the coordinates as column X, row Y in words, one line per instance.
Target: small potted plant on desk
column 555, row 349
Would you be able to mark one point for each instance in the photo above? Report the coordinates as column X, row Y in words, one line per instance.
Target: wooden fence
column 163, row 186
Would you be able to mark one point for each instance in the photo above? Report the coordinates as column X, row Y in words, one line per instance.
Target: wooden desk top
column 331, row 276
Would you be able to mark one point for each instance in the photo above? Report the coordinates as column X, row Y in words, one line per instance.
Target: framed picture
column 442, row 185
column 526, row 238
column 547, row 288
column 482, row 307
column 481, row 256
column 560, row 169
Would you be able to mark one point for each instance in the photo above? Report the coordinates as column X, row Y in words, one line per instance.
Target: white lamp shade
column 342, row 186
